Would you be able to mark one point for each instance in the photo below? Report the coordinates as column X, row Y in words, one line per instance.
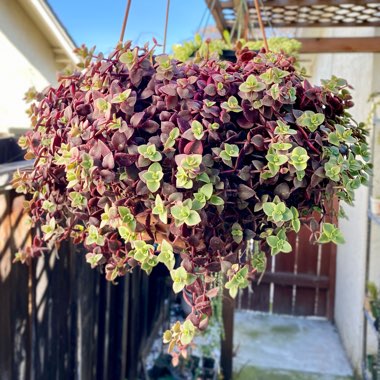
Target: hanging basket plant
column 224, row 48
column 141, row 159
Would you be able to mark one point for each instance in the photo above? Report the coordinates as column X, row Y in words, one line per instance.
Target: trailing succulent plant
column 147, row 161
column 201, row 49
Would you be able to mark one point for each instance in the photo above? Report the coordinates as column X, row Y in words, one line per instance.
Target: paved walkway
column 274, row 347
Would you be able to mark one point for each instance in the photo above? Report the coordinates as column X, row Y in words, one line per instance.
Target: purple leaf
column 136, row 119
column 194, row 147
column 108, row 161
column 245, row 192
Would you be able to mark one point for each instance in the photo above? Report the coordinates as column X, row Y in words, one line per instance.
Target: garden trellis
column 308, row 13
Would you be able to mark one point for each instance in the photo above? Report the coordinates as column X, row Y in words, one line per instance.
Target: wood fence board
column 6, row 292
column 14, row 321
column 331, row 251
column 326, row 260
column 302, row 286
column 226, row 354
column 307, row 262
column 322, row 303
column 244, row 298
column 52, row 315
column 260, row 297
column 87, row 295
column 134, row 322
column 102, row 342
column 60, row 319
column 21, row 332
column 283, row 294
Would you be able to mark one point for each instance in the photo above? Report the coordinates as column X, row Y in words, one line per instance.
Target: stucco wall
column 359, row 70
column 374, row 237
column 374, row 262
column 26, row 60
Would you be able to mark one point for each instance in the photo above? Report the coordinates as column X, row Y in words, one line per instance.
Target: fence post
column 227, row 343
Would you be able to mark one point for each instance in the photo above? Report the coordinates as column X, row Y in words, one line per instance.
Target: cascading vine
column 142, row 158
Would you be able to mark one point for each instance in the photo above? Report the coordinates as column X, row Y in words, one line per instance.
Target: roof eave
column 49, row 24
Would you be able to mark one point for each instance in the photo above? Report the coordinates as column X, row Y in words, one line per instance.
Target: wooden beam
column 278, row 20
column 299, row 3
column 217, row 12
column 299, row 279
column 316, row 24
column 340, row 45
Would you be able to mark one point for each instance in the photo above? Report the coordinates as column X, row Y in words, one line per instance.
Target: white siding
column 26, row 60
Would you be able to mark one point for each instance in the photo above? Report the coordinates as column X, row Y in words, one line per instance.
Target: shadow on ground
column 274, row 347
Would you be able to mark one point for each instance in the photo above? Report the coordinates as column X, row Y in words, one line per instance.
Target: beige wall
column 359, row 70
column 374, row 237
column 374, row 268
column 26, row 60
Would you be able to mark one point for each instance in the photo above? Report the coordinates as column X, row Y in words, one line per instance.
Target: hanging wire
column 242, row 19
column 239, row 23
column 201, row 21
column 260, row 21
column 236, row 22
column 205, row 25
column 126, row 14
column 246, row 25
column 166, row 25
column 273, row 30
column 251, row 25
column 208, row 19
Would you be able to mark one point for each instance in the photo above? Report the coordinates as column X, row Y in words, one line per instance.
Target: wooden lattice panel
column 304, row 13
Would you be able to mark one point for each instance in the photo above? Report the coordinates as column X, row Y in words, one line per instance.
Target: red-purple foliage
column 140, row 148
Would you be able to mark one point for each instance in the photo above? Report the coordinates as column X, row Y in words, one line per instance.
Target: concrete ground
column 276, row 347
